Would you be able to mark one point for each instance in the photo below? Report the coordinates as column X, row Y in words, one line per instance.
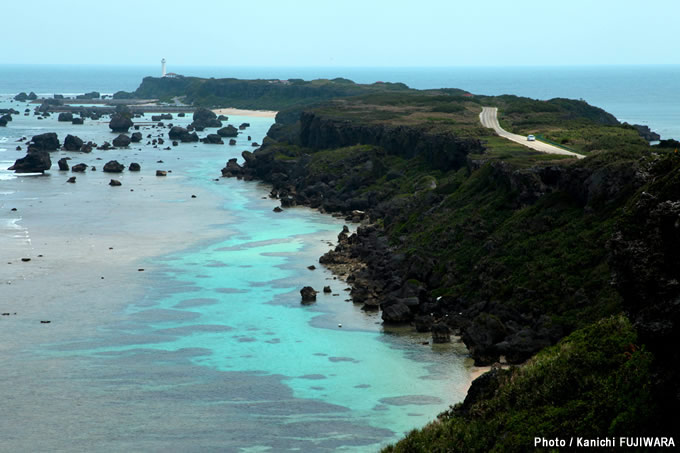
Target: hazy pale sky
column 342, row 33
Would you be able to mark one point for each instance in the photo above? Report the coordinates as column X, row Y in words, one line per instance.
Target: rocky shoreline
column 382, row 277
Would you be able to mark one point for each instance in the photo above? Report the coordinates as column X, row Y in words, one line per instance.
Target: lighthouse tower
column 163, row 67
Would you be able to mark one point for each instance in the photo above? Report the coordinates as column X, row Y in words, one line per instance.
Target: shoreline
column 244, row 112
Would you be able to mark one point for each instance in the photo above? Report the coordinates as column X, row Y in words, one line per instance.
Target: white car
column 531, row 138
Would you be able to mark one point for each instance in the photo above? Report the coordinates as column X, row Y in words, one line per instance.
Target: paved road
column 489, row 118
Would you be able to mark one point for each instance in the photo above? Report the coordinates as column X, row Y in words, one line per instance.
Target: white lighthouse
column 163, row 67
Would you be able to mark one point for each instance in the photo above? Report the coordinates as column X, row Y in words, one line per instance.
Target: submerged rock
column 79, row 168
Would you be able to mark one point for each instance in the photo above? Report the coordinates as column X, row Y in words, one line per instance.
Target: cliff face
column 511, row 258
column 443, row 151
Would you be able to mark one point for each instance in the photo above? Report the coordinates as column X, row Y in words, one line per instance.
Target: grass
column 594, row 383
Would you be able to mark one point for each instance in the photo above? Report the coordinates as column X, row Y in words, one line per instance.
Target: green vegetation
column 510, row 237
column 594, row 383
column 253, row 94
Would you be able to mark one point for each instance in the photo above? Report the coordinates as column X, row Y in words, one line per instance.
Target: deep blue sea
column 647, row 94
column 176, row 322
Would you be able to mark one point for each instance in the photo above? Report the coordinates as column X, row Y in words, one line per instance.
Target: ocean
column 174, row 306
column 648, row 94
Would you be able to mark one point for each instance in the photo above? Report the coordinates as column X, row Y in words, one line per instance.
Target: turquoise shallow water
column 213, row 350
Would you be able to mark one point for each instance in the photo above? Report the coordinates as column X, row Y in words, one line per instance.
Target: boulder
column 188, row 138
column 33, row 162
column 115, row 182
column 136, row 137
column 63, row 164
column 396, row 313
column 134, row 166
column 21, row 97
column 327, row 289
column 3, row 121
column 120, row 122
column 32, row 96
column 232, row 142
column 181, row 115
column 223, row 118
column 44, row 142
column 72, row 143
column 79, row 168
column 72, row 180
column 65, row 117
column 228, row 131
column 308, row 294
column 161, row 173
column 114, row 166
column 176, row 132
column 122, row 141
column 213, row 139
column 205, row 118
column 244, row 126
column 87, row 147
column 77, row 120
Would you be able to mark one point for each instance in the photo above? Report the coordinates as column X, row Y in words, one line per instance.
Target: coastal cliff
column 513, row 251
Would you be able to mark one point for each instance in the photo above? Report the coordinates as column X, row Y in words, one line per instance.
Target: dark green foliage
column 256, row 94
column 594, row 383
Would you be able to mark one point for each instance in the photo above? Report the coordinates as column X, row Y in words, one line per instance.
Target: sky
column 341, row 32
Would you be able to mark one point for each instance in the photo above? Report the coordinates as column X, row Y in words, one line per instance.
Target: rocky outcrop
column 72, row 143
column 205, row 118
column 33, row 162
column 646, row 133
column 182, row 134
column 113, row 166
column 120, row 122
column 90, row 95
column 44, row 142
column 63, row 164
column 232, row 168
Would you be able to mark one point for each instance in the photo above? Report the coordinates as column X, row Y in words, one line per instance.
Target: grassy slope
column 594, row 383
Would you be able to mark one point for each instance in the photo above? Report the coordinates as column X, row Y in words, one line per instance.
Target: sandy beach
column 240, row 112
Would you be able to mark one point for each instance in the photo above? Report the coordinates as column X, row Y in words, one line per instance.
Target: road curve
column 489, row 119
